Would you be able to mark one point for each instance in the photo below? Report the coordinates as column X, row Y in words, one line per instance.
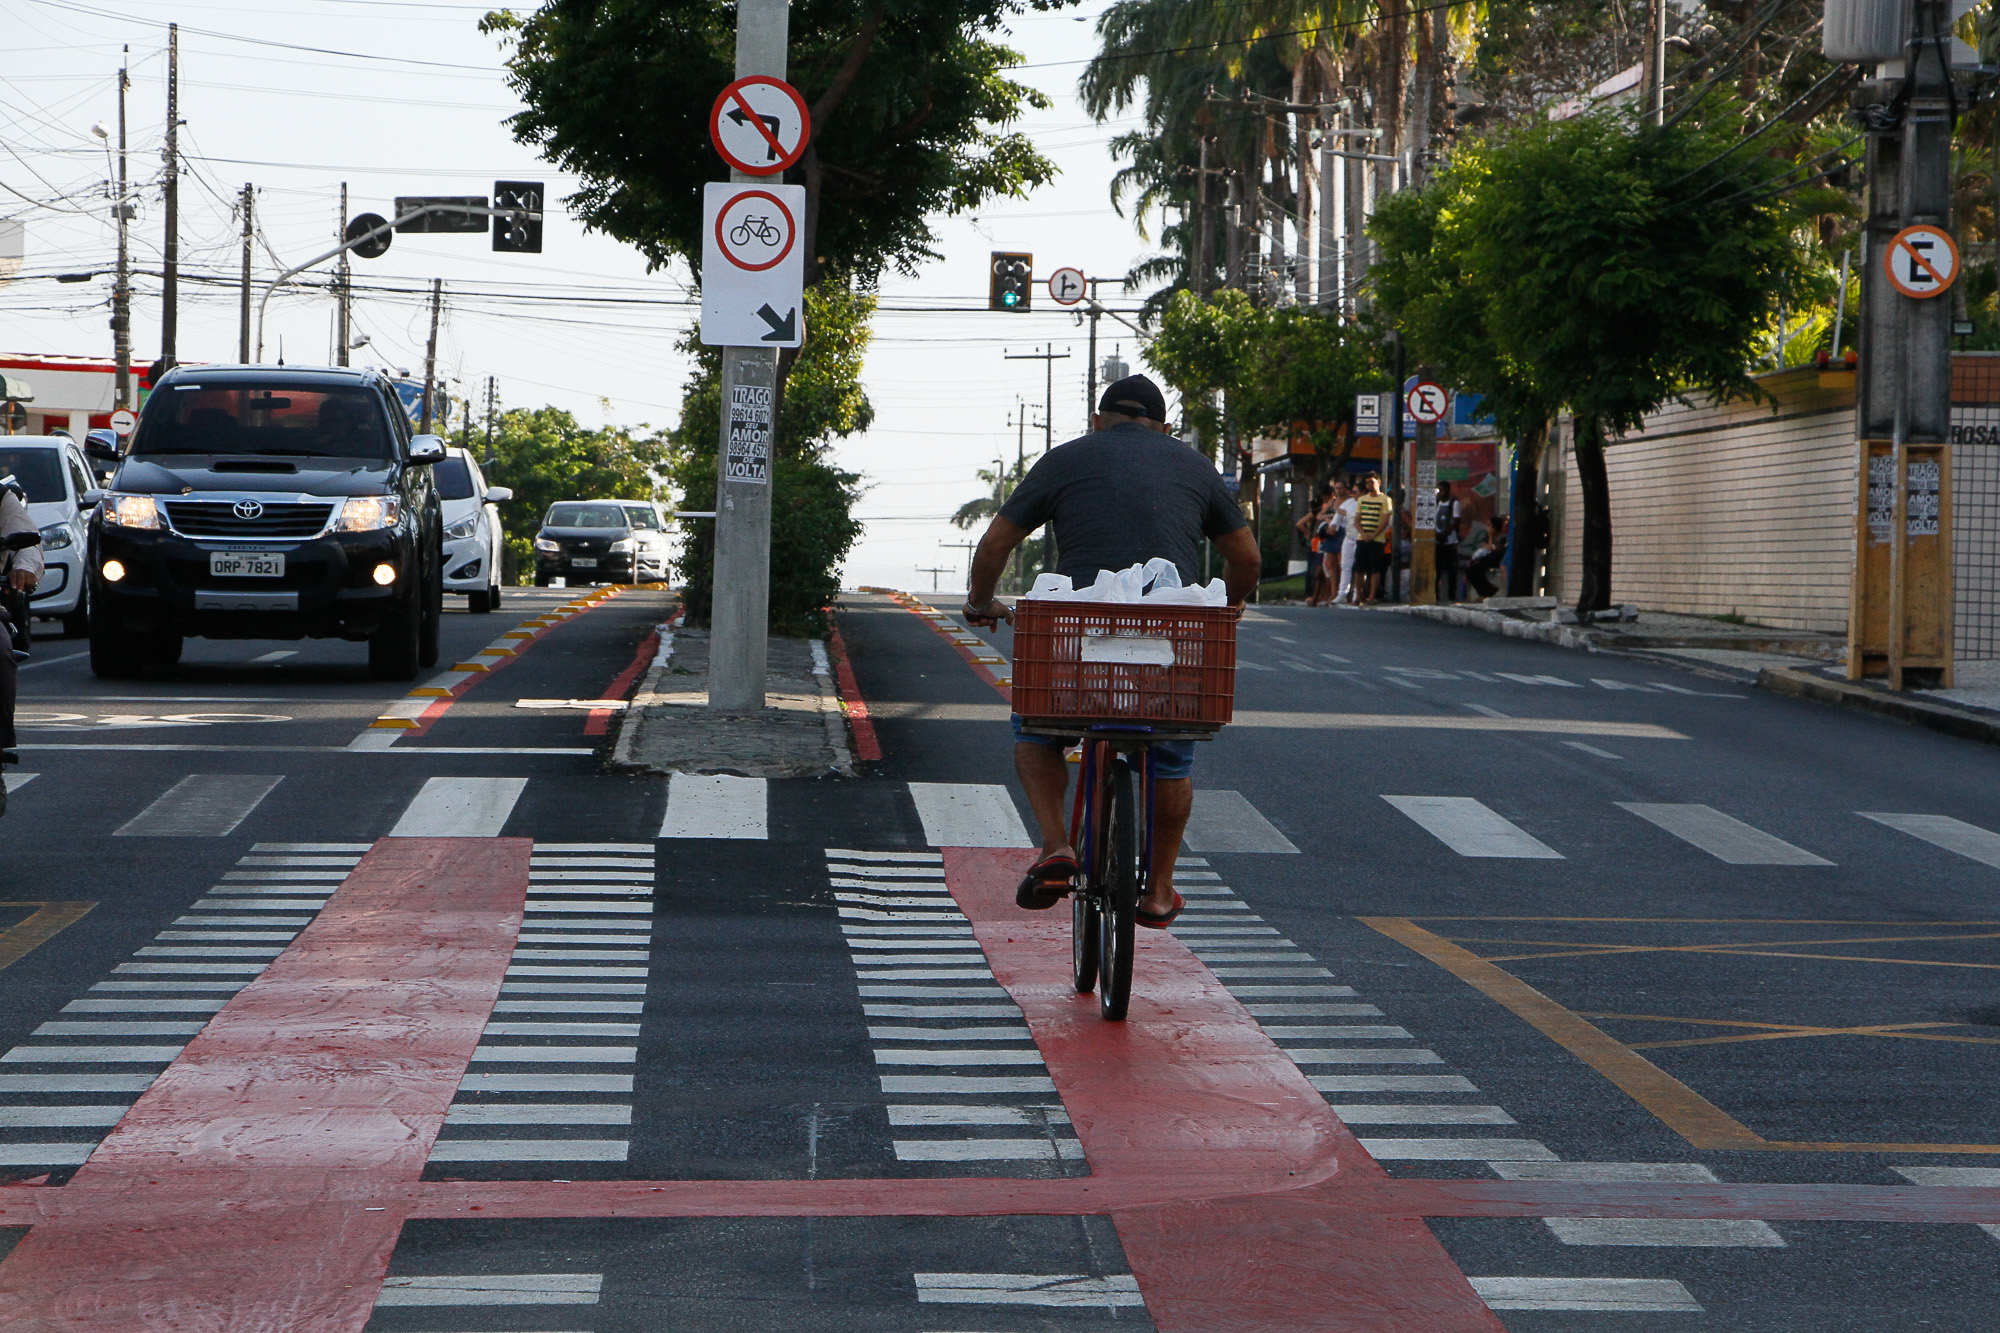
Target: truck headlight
column 131, row 511
column 57, row 537
column 462, row 529
column 366, row 513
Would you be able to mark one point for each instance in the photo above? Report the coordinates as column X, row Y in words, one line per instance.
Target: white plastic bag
column 1130, row 585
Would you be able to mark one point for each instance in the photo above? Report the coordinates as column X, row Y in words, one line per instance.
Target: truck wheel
column 392, row 650
column 114, row 655
column 77, row 623
column 429, row 622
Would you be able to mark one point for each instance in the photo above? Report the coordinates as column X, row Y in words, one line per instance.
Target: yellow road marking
column 1676, row 1105
column 1580, row 949
column 1781, row 1031
column 39, row 927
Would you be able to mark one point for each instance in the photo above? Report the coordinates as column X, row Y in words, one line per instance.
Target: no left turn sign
column 1427, row 402
column 759, row 125
column 1922, row 261
column 1066, row 286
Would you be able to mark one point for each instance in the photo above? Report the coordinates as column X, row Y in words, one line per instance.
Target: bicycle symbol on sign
column 755, row 227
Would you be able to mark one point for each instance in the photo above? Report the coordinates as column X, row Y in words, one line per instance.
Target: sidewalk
column 1800, row 663
column 800, row 731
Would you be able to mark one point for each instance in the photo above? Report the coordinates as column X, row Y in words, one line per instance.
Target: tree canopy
column 909, row 108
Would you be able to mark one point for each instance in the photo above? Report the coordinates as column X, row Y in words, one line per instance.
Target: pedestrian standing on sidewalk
column 1375, row 527
column 1309, row 530
column 1332, row 536
column 1350, row 539
column 1448, row 520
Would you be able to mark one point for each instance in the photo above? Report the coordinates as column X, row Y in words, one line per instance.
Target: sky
column 404, row 97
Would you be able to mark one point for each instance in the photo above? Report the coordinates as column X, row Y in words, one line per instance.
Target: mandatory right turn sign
column 1921, row 261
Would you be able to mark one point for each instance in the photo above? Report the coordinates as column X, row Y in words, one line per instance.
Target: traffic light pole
column 740, row 618
column 1900, row 609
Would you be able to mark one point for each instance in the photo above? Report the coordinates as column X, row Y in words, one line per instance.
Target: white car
column 61, row 493
column 472, row 535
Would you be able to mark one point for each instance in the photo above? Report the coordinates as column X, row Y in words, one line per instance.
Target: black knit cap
column 1135, row 396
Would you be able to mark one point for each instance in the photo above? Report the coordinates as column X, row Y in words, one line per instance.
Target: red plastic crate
column 1057, row 678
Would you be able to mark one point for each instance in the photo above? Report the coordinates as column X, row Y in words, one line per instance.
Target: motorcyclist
column 20, row 540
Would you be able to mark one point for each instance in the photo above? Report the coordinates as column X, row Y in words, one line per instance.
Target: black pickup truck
column 269, row 502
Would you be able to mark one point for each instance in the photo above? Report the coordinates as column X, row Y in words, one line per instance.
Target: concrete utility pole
column 1900, row 621
column 739, row 622
column 1656, row 61
column 121, row 291
column 170, row 255
column 343, row 299
column 1048, row 356
column 431, row 356
column 492, row 397
column 249, row 232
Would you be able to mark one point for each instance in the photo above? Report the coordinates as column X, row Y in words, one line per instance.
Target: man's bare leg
column 1045, row 775
column 1172, row 799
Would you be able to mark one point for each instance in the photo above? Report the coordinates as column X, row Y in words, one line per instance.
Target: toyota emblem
column 249, row 509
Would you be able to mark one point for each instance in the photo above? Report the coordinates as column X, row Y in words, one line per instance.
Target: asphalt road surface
column 1520, row 989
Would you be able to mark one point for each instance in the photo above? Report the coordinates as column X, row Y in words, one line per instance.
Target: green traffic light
column 1010, row 298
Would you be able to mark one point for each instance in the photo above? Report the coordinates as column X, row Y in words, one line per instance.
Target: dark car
column 601, row 541
column 269, row 502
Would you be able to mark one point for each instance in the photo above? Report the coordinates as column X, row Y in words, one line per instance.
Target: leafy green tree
column 812, row 522
column 545, row 456
column 908, row 102
column 1611, row 267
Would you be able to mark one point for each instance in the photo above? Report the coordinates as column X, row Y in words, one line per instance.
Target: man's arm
column 1240, row 564
column 988, row 562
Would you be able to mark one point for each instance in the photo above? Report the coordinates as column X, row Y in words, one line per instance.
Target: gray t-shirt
column 1118, row 497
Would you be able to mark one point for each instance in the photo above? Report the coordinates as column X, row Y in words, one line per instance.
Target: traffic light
column 519, row 231
column 1012, row 286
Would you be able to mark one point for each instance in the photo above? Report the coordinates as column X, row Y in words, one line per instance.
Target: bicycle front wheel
column 1083, row 939
column 1118, row 894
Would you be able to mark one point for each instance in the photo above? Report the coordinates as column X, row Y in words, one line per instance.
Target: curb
column 1563, row 636
column 1916, row 712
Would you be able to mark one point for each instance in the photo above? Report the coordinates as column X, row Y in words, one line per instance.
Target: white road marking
column 1980, row 1177
column 1363, row 1056
column 1307, row 992
column 145, row 1004
column 1457, row 1150
column 201, row 805
column 493, row 1289
column 1592, row 749
column 15, row 781
column 507, row 1029
column 1223, row 821
column 989, row 1150
column 1484, row 711
column 1283, row 1034
column 91, row 1055
column 940, row 1011
column 1471, row 829
column 45, row 1154
column 1954, row 835
column 1270, row 972
column 529, row 1150
column 545, row 1083
column 1694, row 1232
column 887, row 1033
column 936, row 1084
column 1538, row 680
column 1620, row 685
column 895, row 992
column 701, row 805
column 1390, row 1083
column 59, row 1028
column 460, row 808
column 278, row 656
column 908, row 1115
column 968, row 814
column 540, row 1113
column 1412, row 1114
column 955, row 1059
column 60, row 1117
column 846, row 854
column 75, row 1082
column 1724, row 837
column 359, row 849
column 1309, row 1010
column 1062, row 1290
column 1626, row 1294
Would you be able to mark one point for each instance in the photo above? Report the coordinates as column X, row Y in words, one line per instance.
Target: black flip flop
column 1147, row 919
column 1046, row 883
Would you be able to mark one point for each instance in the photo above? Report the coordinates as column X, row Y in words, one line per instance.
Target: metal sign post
column 739, row 621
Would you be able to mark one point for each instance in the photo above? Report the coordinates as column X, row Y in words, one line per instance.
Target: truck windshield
column 271, row 419
column 38, row 470
column 584, row 516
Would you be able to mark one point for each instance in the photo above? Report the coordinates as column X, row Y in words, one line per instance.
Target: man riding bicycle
column 1114, row 498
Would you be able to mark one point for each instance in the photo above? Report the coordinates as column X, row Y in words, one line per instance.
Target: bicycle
column 761, row 229
column 1111, row 829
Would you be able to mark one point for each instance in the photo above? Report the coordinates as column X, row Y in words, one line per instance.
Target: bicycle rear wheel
column 1118, row 893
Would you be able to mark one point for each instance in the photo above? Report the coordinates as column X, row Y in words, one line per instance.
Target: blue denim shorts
column 1171, row 759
